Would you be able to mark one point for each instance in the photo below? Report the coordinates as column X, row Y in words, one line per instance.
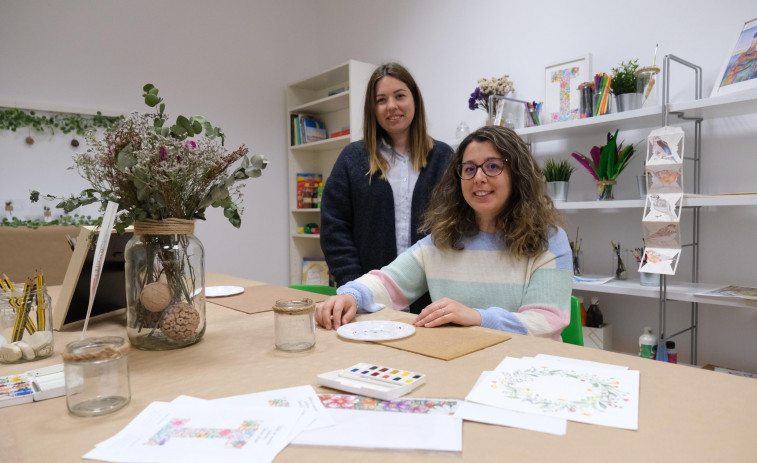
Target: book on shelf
column 344, row 131
column 315, row 271
column 312, row 130
column 306, row 129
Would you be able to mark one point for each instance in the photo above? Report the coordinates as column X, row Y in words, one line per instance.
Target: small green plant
column 624, row 77
column 557, row 170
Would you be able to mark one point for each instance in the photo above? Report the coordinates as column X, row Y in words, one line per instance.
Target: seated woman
column 495, row 257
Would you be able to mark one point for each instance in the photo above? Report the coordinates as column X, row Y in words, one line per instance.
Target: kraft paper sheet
column 261, row 298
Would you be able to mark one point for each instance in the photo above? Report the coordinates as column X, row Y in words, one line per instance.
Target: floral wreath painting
column 562, row 98
column 587, row 394
column 739, row 71
column 582, row 393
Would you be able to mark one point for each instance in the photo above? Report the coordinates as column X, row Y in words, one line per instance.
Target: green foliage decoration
column 14, row 119
column 624, row 77
column 158, row 171
column 557, row 170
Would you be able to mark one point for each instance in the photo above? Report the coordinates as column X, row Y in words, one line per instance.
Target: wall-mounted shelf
column 676, row 291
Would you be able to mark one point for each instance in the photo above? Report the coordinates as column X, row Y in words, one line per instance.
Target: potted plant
column 623, row 85
column 557, row 175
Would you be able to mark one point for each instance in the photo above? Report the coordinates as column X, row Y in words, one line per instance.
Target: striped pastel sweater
column 525, row 296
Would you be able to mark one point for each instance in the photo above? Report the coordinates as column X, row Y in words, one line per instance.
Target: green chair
column 573, row 334
column 320, row 289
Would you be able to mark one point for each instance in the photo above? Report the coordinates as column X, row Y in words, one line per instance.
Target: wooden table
column 685, row 414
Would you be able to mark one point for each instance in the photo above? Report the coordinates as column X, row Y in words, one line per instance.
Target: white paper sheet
column 584, row 393
column 200, row 432
column 388, row 430
column 494, row 415
column 303, row 397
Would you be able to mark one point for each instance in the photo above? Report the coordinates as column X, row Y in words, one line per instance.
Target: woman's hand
column 335, row 311
column 445, row 311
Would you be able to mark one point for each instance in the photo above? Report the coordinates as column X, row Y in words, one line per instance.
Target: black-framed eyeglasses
column 491, row 168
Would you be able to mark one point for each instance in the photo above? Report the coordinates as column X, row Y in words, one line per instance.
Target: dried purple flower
column 163, row 153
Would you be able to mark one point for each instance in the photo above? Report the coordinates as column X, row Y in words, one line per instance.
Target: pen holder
column 96, row 371
column 294, row 324
column 533, row 117
column 26, row 324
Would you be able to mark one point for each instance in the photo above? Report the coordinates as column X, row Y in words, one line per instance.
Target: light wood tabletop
column 685, row 413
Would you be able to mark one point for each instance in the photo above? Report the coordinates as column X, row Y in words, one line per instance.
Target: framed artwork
column 562, row 99
column 740, row 69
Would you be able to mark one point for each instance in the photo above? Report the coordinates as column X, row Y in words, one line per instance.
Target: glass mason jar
column 294, row 324
column 26, row 322
column 96, row 372
column 165, row 285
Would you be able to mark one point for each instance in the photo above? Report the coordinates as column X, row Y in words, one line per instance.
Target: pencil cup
column 649, row 279
column 26, row 324
column 294, row 324
column 96, row 371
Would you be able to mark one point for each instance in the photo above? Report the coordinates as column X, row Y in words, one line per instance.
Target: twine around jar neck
column 95, row 355
column 164, row 227
column 606, row 182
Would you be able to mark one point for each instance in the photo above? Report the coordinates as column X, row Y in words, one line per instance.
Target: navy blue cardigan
column 357, row 216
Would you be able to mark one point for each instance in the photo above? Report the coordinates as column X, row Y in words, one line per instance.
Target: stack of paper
column 533, row 393
column 256, row 427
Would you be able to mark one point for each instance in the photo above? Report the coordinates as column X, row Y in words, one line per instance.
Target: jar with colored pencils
column 26, row 323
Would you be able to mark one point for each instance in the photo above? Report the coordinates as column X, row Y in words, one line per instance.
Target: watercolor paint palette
column 32, row 386
column 371, row 380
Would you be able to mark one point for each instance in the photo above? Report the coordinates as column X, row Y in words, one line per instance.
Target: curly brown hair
column 420, row 142
column 526, row 221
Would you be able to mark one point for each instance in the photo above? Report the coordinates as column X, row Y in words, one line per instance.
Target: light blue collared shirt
column 402, row 178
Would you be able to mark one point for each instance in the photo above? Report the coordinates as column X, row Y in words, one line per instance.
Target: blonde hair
column 420, row 142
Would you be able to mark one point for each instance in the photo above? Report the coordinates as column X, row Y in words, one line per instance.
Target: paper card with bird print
column 660, row 260
column 665, row 178
column 664, row 207
column 665, row 146
column 662, row 234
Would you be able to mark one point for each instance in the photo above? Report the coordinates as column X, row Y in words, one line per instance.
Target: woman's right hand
column 335, row 311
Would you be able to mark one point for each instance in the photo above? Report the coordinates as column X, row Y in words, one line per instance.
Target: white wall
column 230, row 61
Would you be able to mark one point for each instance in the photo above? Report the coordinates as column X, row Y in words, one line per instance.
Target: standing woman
column 496, row 256
column 379, row 187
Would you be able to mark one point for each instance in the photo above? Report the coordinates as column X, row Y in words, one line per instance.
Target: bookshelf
column 344, row 109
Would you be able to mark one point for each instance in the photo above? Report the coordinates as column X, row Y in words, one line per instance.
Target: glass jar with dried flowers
column 163, row 178
column 479, row 99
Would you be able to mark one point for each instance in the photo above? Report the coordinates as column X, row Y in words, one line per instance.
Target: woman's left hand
column 445, row 311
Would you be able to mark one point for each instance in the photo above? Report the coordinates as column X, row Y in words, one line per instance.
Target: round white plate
column 379, row 330
column 217, row 291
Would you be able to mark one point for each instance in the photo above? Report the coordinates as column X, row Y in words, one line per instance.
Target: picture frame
column 562, row 99
column 739, row 72
column 70, row 305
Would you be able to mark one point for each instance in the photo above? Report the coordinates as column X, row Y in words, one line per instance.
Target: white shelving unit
column 345, row 109
column 731, row 105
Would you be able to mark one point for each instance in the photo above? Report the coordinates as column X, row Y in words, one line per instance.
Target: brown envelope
column 445, row 342
column 261, row 298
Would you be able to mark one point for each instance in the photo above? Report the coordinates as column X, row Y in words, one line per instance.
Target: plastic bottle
column 583, row 311
column 594, row 317
column 672, row 354
column 647, row 344
column 307, row 197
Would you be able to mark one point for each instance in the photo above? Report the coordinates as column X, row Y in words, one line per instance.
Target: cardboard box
column 598, row 338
